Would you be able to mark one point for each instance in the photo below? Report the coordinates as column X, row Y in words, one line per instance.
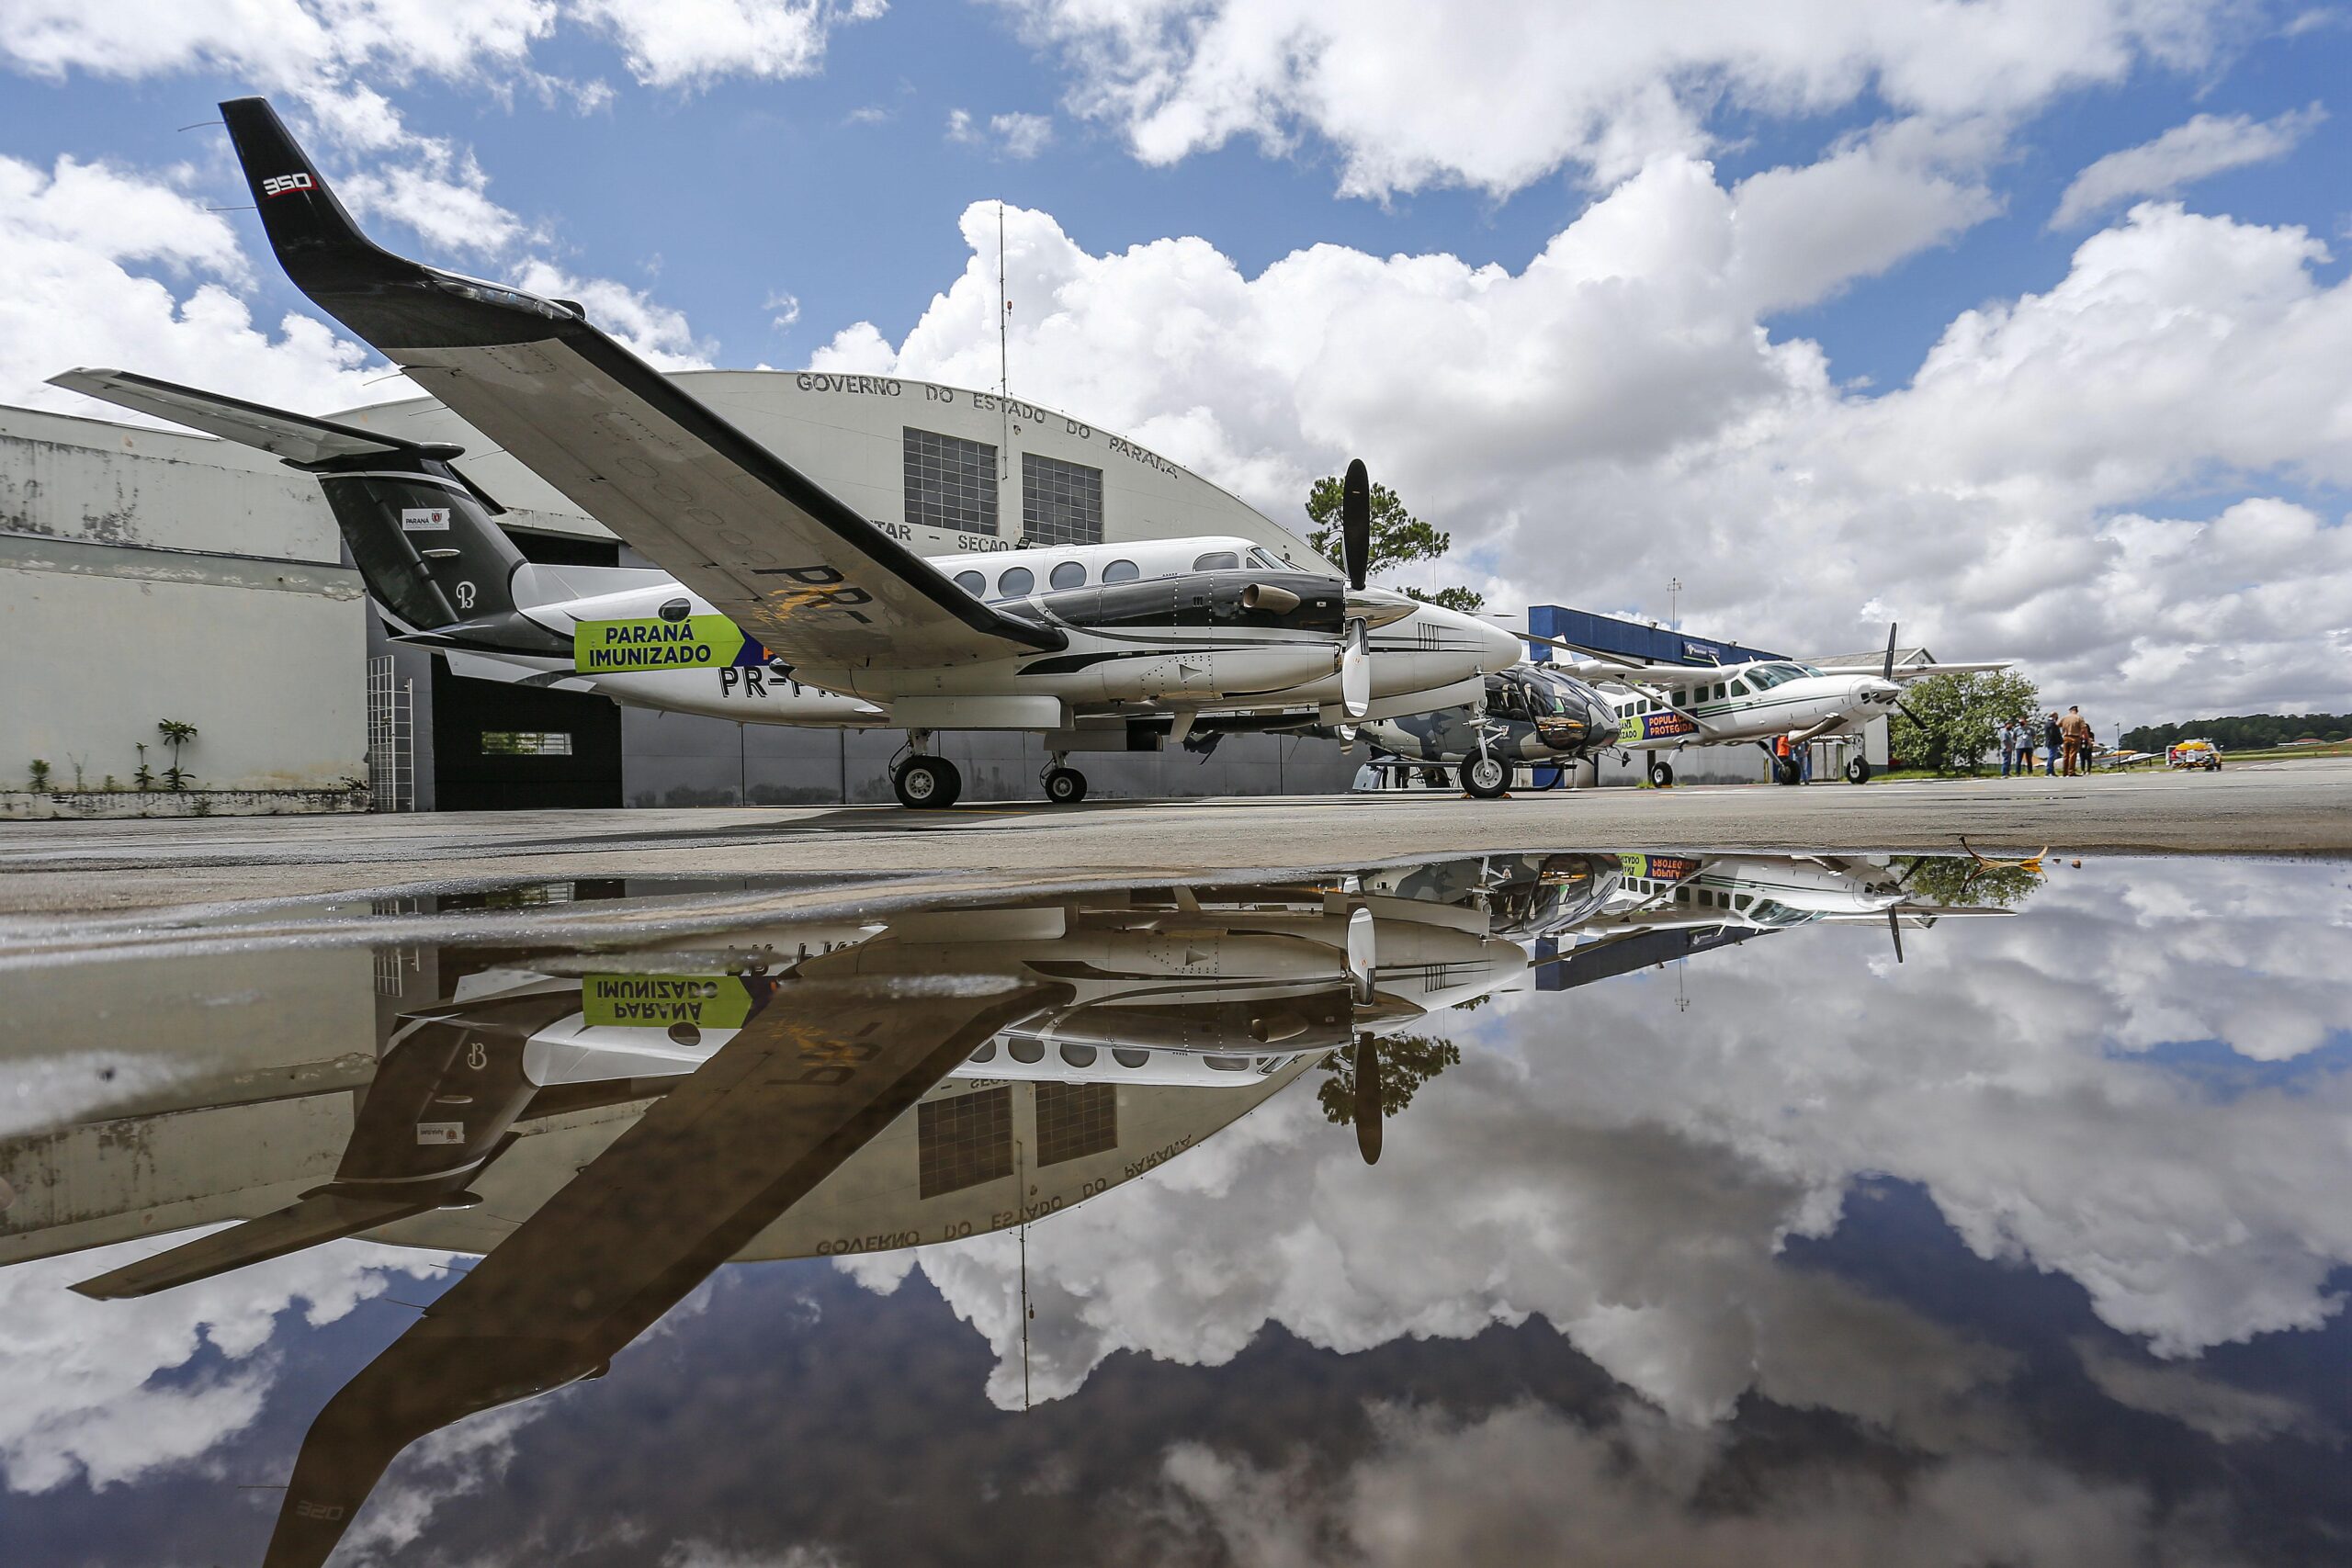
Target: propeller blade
column 1355, row 521
column 1355, row 672
column 1888, row 673
column 1905, row 709
column 1347, row 733
column 1367, row 1106
column 1363, row 953
column 1894, row 930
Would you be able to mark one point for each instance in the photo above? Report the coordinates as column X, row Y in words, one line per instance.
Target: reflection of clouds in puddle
column 461, row 1458
column 38, row 1092
column 1627, row 1171
column 1524, row 1484
column 84, row 1396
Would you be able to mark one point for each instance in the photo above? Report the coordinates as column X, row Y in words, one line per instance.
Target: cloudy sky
column 2022, row 323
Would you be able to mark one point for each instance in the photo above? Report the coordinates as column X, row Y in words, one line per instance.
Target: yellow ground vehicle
column 2202, row 754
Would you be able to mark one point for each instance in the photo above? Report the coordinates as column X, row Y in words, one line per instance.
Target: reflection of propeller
column 1367, row 1106
column 1894, row 930
column 1355, row 547
column 1361, row 953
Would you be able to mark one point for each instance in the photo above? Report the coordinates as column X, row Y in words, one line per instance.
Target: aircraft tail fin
column 420, row 532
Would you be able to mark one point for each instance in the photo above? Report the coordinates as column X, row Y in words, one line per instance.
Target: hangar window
column 1016, row 581
column 1075, row 1120
column 951, row 482
column 1069, row 574
column 1217, row 560
column 962, row 1141
column 972, row 582
column 524, row 743
column 1061, row 503
column 1121, row 572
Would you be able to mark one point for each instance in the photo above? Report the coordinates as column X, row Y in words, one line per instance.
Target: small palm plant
column 175, row 735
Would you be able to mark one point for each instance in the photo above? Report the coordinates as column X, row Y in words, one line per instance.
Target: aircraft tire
column 1065, row 786
column 927, row 783
column 1661, row 776
column 1858, row 770
column 1785, row 771
column 1485, row 777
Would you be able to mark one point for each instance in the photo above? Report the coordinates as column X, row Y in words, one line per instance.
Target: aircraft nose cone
column 1500, row 646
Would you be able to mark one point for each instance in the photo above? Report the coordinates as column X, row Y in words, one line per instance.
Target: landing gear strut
column 925, row 783
column 1065, row 786
column 1485, row 777
column 1661, row 775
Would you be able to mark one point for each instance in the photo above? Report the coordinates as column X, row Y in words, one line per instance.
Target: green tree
column 1398, row 538
column 2246, row 732
column 1958, row 881
column 1953, row 720
column 1407, row 1062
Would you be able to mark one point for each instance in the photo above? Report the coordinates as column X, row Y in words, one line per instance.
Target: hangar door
column 503, row 746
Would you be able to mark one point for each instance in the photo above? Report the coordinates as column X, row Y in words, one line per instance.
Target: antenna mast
column 1004, row 359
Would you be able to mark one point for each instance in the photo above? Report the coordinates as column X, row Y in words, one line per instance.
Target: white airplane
column 1673, row 706
column 769, row 571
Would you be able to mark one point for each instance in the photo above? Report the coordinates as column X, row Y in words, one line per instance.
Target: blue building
column 1635, row 640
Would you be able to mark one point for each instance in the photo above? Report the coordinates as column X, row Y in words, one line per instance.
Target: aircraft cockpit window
column 1218, row 560
column 1121, row 572
column 1068, row 574
column 1514, row 702
column 986, row 1053
column 972, row 582
column 1015, row 581
column 1764, row 677
column 1739, row 688
column 1229, row 1064
column 1267, row 559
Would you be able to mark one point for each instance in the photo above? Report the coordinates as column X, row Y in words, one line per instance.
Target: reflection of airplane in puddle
column 605, row 1132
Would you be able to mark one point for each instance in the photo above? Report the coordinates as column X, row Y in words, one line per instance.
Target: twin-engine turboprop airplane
column 1533, row 712
column 785, row 577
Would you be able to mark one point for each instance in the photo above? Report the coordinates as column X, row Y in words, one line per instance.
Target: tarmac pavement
column 2286, row 808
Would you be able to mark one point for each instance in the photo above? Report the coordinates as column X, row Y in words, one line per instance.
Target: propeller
column 1355, row 547
column 1894, row 930
column 1367, row 1106
column 1888, row 673
column 1363, row 953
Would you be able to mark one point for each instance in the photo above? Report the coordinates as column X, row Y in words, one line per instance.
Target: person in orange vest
column 1783, row 766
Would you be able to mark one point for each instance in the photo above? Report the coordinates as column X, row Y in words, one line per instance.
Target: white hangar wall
column 145, row 576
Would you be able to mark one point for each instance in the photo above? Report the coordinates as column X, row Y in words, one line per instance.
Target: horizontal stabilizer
column 321, row 1217
column 296, row 437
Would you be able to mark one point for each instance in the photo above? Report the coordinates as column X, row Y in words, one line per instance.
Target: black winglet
column 315, row 239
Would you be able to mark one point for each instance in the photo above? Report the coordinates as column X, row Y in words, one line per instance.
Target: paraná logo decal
column 286, row 185
column 425, row 519
column 658, row 1001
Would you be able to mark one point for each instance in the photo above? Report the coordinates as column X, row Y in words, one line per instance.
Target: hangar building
column 153, row 575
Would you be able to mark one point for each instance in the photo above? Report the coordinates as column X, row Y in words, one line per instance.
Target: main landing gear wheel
column 927, row 783
column 1065, row 786
column 1661, row 776
column 1485, row 777
column 1786, row 771
column 1858, row 770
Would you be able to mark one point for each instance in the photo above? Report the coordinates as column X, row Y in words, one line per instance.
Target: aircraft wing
column 790, row 562
column 1918, row 672
column 807, row 1083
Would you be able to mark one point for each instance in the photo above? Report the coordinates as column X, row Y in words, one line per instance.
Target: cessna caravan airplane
column 1668, row 706
column 768, row 578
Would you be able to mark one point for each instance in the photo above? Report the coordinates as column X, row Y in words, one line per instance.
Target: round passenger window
column 986, row 1053
column 1121, row 572
column 1016, row 582
column 972, row 582
column 676, row 609
column 1127, row 1057
column 685, row 1035
column 1079, row 1055
column 1069, row 574
column 1026, row 1051
column 1218, row 560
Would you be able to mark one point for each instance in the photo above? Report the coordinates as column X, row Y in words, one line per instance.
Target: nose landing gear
column 1485, row 777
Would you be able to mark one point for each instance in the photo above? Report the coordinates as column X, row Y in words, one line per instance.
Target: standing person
column 1784, row 769
column 2051, row 738
column 2008, row 738
column 2075, row 734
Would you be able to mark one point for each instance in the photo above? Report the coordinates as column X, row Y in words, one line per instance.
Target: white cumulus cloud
column 2208, row 144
